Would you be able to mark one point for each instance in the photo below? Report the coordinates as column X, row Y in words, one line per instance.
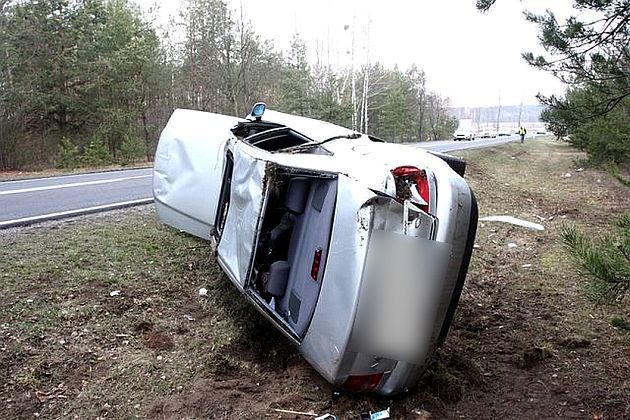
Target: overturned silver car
column 355, row 249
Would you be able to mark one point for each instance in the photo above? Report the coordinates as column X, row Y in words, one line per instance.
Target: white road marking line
column 70, row 213
column 75, row 184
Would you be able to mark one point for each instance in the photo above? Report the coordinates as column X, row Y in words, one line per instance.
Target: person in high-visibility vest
column 522, row 131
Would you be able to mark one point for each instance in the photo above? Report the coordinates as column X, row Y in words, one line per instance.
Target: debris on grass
column 513, row 221
column 203, row 292
column 512, row 245
column 114, row 293
column 297, row 413
column 326, row 416
column 378, row 415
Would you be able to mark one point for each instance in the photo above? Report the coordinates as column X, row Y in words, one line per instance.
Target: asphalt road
column 451, row 146
column 33, row 200
column 30, row 201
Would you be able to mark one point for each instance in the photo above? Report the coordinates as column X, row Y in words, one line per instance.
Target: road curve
column 35, row 200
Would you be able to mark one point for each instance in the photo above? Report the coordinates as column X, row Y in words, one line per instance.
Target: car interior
column 293, row 244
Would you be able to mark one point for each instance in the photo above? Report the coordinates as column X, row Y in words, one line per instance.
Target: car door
column 188, row 169
column 240, row 230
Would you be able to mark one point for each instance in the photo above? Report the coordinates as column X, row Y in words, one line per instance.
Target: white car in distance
column 462, row 134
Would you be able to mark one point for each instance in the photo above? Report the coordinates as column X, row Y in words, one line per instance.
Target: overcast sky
column 469, row 57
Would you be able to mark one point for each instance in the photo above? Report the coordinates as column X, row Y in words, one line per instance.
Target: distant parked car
column 485, row 133
column 504, row 132
column 355, row 249
column 463, row 135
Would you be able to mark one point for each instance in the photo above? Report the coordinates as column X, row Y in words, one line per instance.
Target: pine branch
column 605, row 263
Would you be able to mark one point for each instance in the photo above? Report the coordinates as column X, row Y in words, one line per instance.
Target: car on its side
column 355, row 249
column 463, row 134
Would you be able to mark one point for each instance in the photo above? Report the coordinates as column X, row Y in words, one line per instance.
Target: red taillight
column 362, row 383
column 408, row 176
column 317, row 259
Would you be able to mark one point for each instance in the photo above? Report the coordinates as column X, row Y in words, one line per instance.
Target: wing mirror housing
column 258, row 110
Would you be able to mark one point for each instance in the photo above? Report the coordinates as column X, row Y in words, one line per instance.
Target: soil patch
column 154, row 339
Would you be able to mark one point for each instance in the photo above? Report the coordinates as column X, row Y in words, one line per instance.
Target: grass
column 60, row 322
column 525, row 342
column 43, row 173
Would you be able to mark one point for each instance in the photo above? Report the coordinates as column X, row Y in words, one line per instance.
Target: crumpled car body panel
column 189, row 162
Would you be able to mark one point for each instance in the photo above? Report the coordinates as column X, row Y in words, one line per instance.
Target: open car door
column 240, row 227
column 188, row 169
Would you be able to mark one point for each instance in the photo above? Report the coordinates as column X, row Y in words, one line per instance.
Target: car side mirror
column 258, row 110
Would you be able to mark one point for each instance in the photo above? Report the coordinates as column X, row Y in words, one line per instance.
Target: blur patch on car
column 403, row 282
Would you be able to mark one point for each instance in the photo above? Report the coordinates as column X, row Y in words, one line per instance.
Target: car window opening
column 291, row 256
column 224, row 195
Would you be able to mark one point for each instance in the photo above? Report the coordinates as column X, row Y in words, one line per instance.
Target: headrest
column 297, row 193
column 278, row 278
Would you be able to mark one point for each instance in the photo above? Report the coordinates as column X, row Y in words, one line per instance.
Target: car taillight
column 362, row 383
column 407, row 177
column 317, row 259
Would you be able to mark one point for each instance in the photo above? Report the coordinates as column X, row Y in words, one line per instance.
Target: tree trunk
column 145, row 130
